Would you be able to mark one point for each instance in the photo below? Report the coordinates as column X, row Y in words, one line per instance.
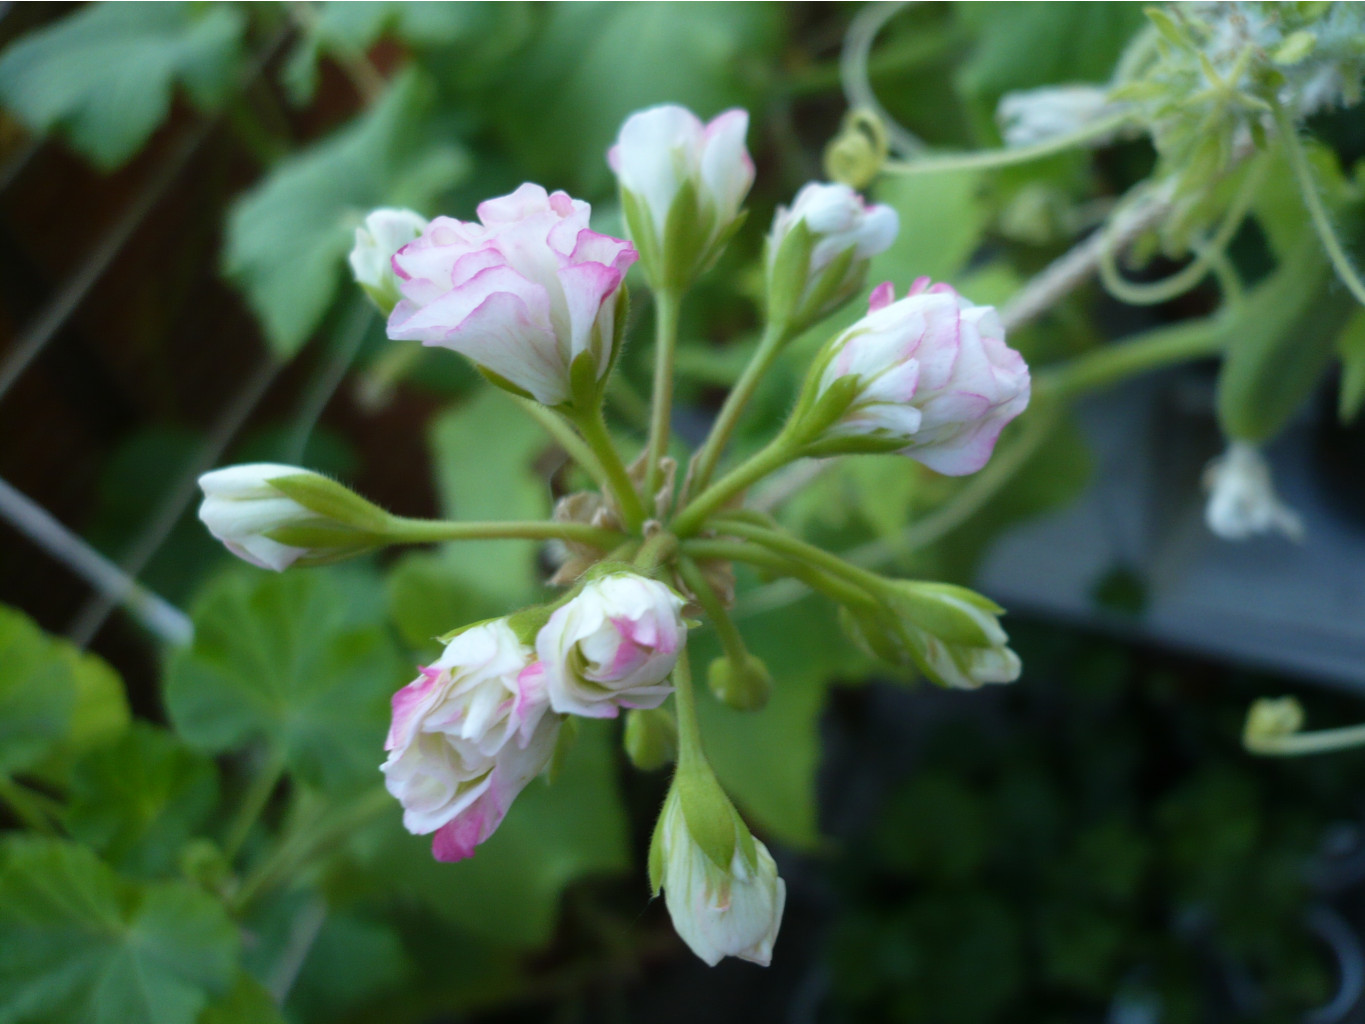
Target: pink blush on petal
column 883, row 295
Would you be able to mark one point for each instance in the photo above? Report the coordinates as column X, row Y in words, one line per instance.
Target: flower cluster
column 535, row 299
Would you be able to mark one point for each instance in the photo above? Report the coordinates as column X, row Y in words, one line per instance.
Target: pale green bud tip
column 651, row 738
column 744, row 687
column 1271, row 719
column 275, row 516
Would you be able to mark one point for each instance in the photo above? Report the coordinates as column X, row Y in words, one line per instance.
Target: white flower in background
column 467, row 736
column 719, row 911
column 383, row 233
column 611, row 646
column 1242, row 500
column 843, row 232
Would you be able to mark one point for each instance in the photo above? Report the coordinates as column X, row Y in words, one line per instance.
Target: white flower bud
column 1032, row 116
column 274, row 516
column 612, row 646
column 383, row 233
column 719, row 909
column 1242, row 499
column 813, row 271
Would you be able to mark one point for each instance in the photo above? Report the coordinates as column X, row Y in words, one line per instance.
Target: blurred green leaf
column 351, row 961
column 104, row 75
column 942, row 219
column 79, row 943
column 1351, row 348
column 54, row 699
column 592, row 64
column 138, row 799
column 300, row 661
column 246, row 1003
column 288, row 236
column 433, row 592
column 508, row 892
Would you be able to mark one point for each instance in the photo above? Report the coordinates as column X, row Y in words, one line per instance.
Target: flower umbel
column 525, row 292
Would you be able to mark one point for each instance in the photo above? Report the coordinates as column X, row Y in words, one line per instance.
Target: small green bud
column 651, row 738
column 744, row 687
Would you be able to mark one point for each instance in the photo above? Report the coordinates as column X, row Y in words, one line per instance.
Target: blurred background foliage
column 207, row 840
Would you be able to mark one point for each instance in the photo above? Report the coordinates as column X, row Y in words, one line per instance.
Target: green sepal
column 686, row 233
column 856, row 444
column 650, row 738
column 445, row 638
column 568, row 734
column 788, row 273
column 828, row 408
column 528, row 622
column 640, row 227
column 744, row 687
column 712, row 820
column 876, row 635
column 922, row 604
column 331, row 500
column 499, row 381
column 618, row 331
column 656, row 849
column 836, row 284
column 585, row 390
column 322, row 538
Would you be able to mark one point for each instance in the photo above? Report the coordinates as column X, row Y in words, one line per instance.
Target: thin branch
column 158, row 615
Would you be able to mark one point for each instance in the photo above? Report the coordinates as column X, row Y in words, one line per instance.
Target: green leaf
column 767, row 761
column 942, row 216
column 508, row 892
column 78, row 943
column 103, row 76
column 300, row 661
column 432, row 593
column 247, row 1003
column 352, row 960
column 595, row 63
column 287, row 237
column 54, row 700
column 139, row 799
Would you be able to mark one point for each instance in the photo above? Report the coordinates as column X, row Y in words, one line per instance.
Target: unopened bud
column 651, row 738
column 383, row 233
column 745, row 686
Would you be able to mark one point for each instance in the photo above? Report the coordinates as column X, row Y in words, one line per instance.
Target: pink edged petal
column 407, row 702
column 964, row 454
column 433, row 322
column 471, row 264
column 882, row 296
column 586, row 287
column 592, row 247
column 920, row 284
column 529, row 199
column 727, row 171
column 501, row 336
column 456, row 840
column 656, row 149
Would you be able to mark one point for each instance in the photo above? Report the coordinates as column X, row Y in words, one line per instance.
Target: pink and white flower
column 844, row 233
column 933, row 379
column 523, row 292
column 659, row 153
column 610, row 647
column 467, row 736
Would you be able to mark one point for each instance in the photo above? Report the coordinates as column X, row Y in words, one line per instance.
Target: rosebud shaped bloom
column 524, row 293
column 929, row 376
column 467, row 736
column 611, row 646
column 384, row 232
column 950, row 633
column 731, row 907
column 682, row 183
column 274, row 516
column 818, row 251
column 1242, row 499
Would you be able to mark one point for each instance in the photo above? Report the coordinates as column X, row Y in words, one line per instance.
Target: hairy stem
column 666, row 309
column 594, row 430
column 429, row 531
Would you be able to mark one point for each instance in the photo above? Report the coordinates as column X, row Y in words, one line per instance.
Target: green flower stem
column 657, row 550
column 255, row 798
column 798, row 550
column 1006, row 157
column 1308, row 188
column 731, row 641
column 690, row 753
column 1105, row 366
column 667, row 305
column 774, row 336
column 1208, row 254
column 594, row 430
column 427, row 531
column 1318, row 742
column 28, row 806
column 762, row 558
column 310, row 837
column 774, row 456
column 563, row 433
